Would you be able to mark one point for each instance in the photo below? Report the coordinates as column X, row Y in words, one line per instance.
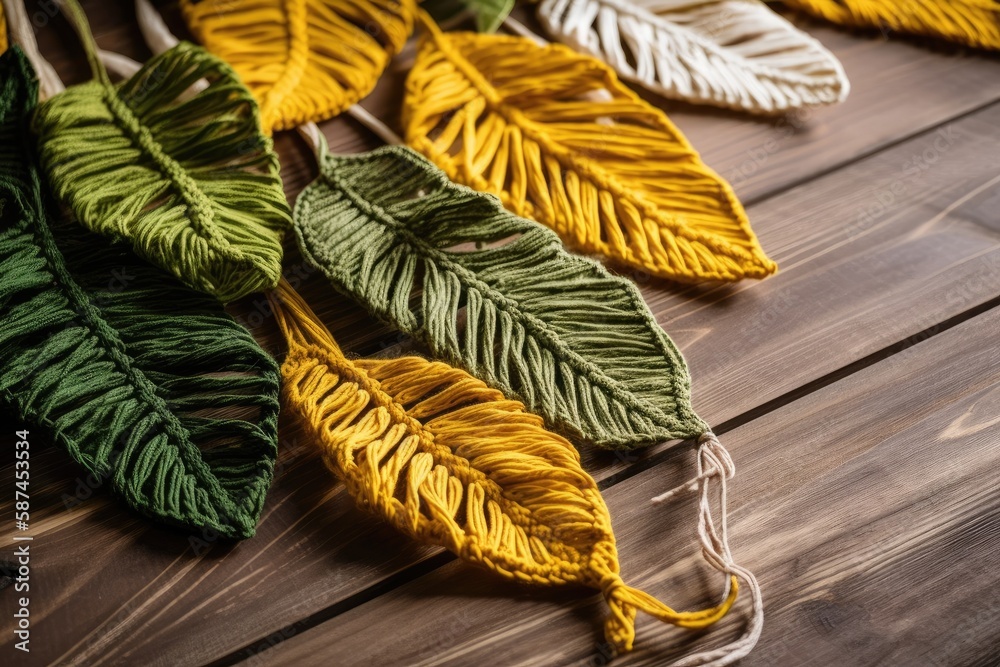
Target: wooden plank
column 870, row 514
column 841, row 296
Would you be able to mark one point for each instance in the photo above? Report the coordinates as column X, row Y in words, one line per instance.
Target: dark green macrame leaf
column 145, row 382
column 186, row 177
column 576, row 344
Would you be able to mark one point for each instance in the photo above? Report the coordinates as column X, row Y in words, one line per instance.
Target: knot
column 619, row 628
column 714, row 457
column 625, row 601
column 713, row 461
column 612, row 586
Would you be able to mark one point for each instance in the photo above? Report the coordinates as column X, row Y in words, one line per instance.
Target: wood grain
column 856, row 279
column 871, row 516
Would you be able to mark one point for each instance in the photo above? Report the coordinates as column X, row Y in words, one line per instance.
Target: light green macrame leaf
column 489, row 13
column 146, row 383
column 574, row 343
column 184, row 175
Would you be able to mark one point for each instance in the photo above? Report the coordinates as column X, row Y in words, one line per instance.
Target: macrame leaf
column 144, row 382
column 304, row 60
column 185, row 177
column 489, row 14
column 448, row 461
column 729, row 53
column 576, row 344
column 974, row 23
column 562, row 141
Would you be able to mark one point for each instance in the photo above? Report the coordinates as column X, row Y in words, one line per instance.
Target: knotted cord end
column 624, row 601
column 714, row 462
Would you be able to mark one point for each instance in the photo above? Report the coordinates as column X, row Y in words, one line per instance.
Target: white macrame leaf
column 735, row 54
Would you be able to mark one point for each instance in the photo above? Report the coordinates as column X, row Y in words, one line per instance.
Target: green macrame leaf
column 184, row 175
column 489, row 13
column 143, row 381
column 574, row 343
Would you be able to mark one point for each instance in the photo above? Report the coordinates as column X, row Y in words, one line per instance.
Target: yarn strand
column 72, row 10
column 3, row 30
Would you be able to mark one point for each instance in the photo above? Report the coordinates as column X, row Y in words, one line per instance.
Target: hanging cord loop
column 715, row 464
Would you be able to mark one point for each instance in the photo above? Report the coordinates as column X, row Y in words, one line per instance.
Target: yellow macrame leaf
column 3, row 31
column 304, row 60
column 449, row 461
column 562, row 141
column 974, row 23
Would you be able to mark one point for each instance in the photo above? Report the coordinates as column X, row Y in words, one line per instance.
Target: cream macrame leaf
column 729, row 53
column 304, row 60
column 562, row 141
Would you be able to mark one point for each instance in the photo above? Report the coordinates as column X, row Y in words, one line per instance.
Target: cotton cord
column 560, row 140
column 449, row 461
column 154, row 29
column 119, row 65
column 715, row 463
column 735, row 54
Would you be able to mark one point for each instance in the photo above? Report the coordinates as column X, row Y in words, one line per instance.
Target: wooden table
column 858, row 391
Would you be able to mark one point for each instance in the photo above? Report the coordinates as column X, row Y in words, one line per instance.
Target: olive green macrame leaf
column 143, row 381
column 186, row 177
column 574, row 343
